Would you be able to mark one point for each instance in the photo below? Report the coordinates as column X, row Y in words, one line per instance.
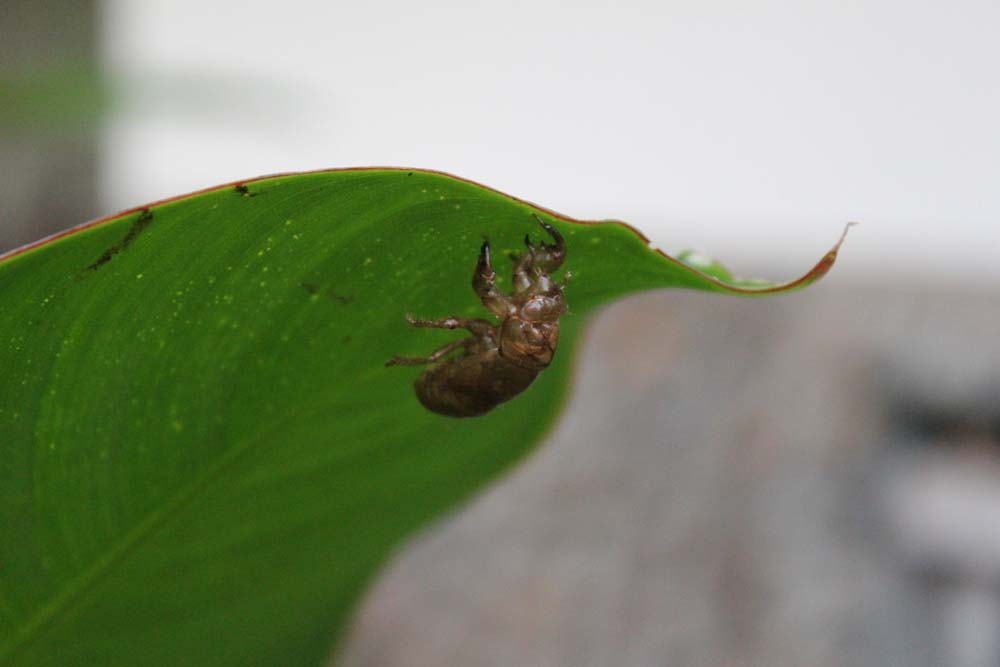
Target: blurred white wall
column 752, row 131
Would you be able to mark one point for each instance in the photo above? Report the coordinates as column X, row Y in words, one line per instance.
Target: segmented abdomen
column 471, row 385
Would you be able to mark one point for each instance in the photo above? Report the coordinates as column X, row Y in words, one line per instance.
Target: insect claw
column 556, row 236
column 485, row 263
column 560, row 243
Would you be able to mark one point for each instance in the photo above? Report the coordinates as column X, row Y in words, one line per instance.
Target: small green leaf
column 203, row 460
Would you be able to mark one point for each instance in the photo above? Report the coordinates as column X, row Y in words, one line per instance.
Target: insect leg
column 433, row 356
column 524, row 268
column 475, row 325
column 484, row 283
column 549, row 256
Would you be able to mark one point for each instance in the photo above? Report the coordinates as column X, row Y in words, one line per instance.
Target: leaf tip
column 828, row 260
column 843, row 235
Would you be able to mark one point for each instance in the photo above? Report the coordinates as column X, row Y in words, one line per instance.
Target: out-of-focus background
column 811, row 479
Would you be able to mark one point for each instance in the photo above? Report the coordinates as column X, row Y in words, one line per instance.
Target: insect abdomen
column 472, row 385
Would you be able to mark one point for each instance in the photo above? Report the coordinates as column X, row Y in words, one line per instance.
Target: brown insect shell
column 529, row 339
column 474, row 384
column 501, row 361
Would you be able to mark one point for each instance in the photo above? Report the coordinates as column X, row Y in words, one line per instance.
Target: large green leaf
column 203, row 460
